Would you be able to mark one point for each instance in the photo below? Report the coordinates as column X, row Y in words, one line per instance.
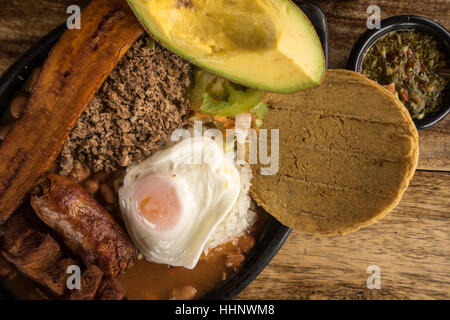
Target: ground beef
column 137, row 108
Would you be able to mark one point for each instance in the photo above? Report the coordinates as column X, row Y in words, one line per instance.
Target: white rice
column 239, row 219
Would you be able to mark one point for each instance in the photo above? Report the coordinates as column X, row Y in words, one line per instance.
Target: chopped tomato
column 405, row 96
column 227, row 122
column 423, row 67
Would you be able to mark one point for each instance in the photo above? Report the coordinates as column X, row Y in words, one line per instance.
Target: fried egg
column 172, row 202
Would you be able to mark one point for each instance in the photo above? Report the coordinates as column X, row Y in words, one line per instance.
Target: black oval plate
column 274, row 233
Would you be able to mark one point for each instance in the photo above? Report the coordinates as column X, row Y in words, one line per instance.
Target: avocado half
column 265, row 44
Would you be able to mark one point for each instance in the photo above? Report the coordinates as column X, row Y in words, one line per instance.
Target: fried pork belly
column 6, row 269
column 90, row 282
column 110, row 289
column 84, row 225
column 35, row 254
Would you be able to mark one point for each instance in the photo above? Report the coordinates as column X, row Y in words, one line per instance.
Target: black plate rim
column 396, row 23
column 274, row 233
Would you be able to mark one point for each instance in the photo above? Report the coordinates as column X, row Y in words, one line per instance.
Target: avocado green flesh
column 265, row 44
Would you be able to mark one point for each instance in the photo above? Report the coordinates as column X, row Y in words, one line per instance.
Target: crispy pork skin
column 84, row 225
column 110, row 289
column 35, row 254
column 90, row 282
column 6, row 269
column 55, row 276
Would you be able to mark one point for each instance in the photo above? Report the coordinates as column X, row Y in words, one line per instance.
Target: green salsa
column 406, row 62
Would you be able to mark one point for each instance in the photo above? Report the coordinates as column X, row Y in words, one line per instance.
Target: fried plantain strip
column 73, row 72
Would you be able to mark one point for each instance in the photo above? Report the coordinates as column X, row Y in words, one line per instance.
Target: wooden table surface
column 411, row 245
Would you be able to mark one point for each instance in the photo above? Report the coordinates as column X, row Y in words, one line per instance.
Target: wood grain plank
column 434, row 145
column 411, row 245
column 24, row 22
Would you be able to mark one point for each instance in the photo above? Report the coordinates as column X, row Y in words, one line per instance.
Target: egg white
column 207, row 190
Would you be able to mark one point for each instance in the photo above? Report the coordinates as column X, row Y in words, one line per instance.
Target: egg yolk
column 158, row 203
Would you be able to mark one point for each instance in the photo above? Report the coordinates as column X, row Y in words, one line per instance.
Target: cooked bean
column 32, row 80
column 101, row 176
column 18, row 104
column 183, row 293
column 116, row 184
column 91, row 186
column 234, row 261
column 107, row 194
column 79, row 173
column 203, row 257
column 4, row 129
column 246, row 243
